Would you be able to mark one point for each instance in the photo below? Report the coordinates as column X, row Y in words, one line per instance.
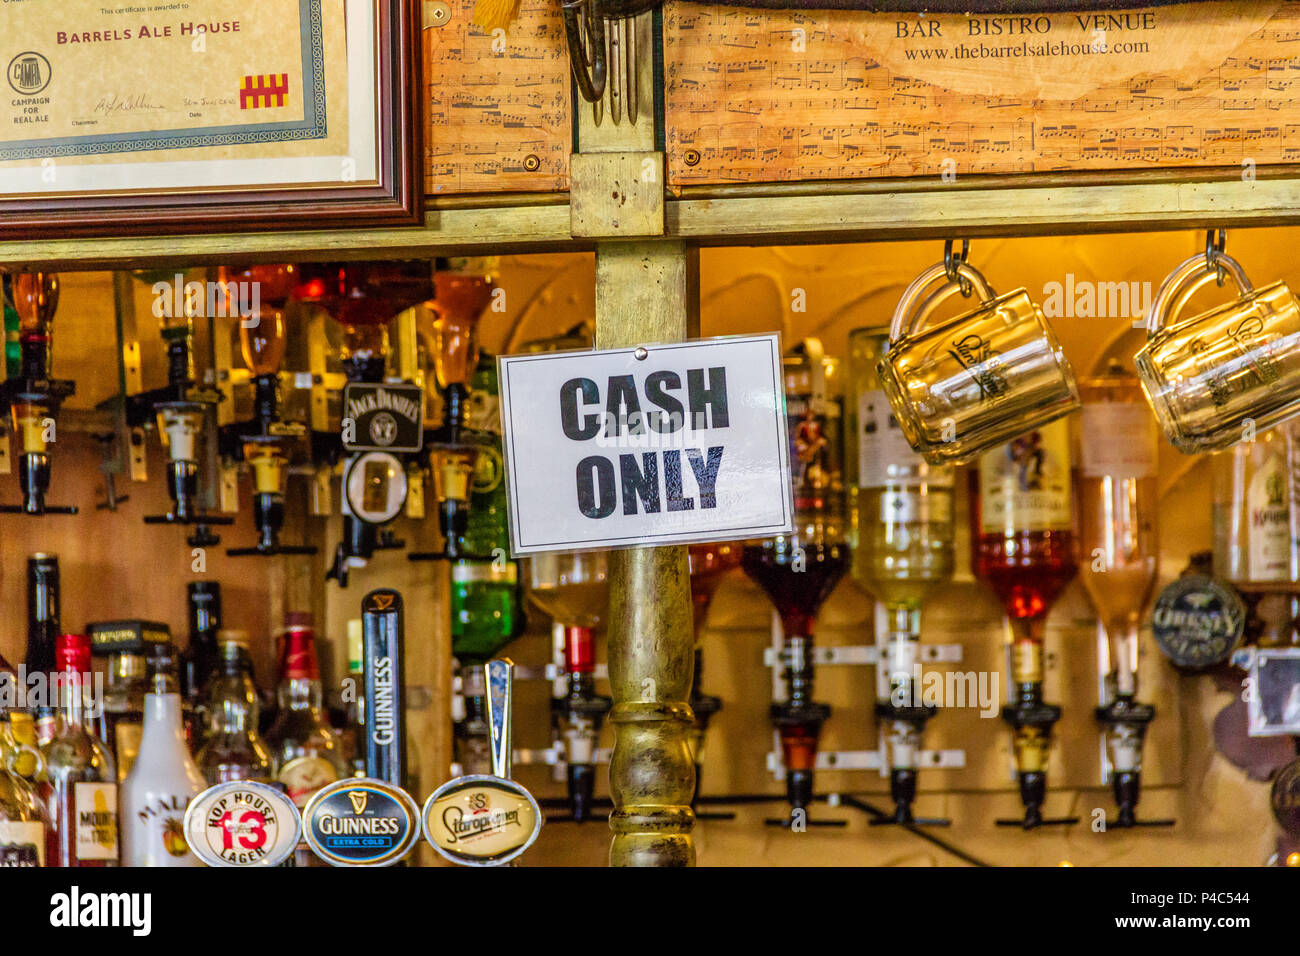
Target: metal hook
column 587, row 58
column 1215, row 240
column 951, row 262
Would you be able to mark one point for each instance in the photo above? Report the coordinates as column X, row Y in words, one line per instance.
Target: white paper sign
column 686, row 443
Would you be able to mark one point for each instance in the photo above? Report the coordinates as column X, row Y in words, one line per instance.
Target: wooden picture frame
column 388, row 189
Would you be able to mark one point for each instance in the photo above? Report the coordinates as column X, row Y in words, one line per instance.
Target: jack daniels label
column 361, row 822
column 383, row 417
column 1197, row 621
column 481, row 820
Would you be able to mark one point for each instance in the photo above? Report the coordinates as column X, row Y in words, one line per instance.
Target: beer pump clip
column 485, row 819
column 32, row 395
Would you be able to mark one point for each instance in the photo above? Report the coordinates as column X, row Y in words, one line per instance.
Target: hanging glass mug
column 1225, row 374
column 973, row 382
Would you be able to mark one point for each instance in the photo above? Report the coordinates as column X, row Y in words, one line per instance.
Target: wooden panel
column 783, row 96
column 498, row 106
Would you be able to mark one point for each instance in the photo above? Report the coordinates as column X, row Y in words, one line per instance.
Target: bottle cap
column 72, row 653
column 230, row 635
column 298, row 655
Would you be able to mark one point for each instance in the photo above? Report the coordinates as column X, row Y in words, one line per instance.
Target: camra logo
column 29, row 73
column 361, row 823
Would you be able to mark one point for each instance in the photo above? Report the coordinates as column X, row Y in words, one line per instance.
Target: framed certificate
column 156, row 116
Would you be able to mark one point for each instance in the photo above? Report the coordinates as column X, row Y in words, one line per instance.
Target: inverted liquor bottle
column 162, row 782
column 232, row 749
column 901, row 524
column 1115, row 486
column 81, row 782
column 1022, row 535
column 799, row 571
column 581, row 718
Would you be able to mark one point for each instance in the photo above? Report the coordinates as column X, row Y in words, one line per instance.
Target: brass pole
column 647, row 292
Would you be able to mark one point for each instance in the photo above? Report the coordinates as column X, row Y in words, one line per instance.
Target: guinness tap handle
column 381, row 616
column 499, row 679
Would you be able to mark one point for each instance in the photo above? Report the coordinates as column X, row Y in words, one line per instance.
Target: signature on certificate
column 135, row 103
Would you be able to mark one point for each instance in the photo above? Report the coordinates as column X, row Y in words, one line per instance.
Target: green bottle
column 486, row 599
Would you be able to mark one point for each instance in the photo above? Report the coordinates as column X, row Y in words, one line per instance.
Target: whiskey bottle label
column 22, row 843
column 884, row 456
column 1117, row 440
column 1025, row 484
column 304, row 776
column 94, row 807
column 1269, row 541
column 815, row 454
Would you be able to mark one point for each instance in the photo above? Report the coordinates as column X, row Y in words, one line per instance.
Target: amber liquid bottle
column 799, row 571
column 1022, row 534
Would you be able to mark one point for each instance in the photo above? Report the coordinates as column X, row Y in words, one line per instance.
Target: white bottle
column 162, row 782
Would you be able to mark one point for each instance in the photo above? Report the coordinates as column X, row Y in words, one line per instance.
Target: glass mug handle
column 912, row 311
column 1184, row 282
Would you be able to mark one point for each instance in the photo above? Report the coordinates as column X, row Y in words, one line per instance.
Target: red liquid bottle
column 1022, row 535
column 799, row 571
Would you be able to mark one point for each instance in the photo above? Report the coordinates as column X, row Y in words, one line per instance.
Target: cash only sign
column 655, row 445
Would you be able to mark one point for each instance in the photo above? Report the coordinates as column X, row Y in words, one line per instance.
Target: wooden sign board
column 775, row 96
column 498, row 112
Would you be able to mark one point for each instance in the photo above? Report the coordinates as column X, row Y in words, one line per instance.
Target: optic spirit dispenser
column 1023, row 541
column 902, row 525
column 799, row 571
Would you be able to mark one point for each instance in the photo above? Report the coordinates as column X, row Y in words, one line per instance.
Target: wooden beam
column 738, row 215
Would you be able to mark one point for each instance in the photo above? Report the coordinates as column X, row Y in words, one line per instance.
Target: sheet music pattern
column 498, row 108
column 743, row 106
